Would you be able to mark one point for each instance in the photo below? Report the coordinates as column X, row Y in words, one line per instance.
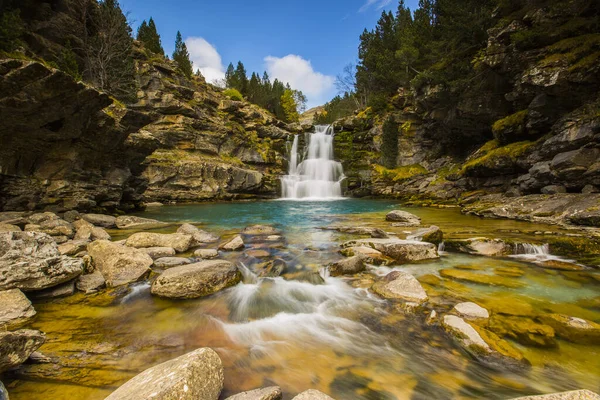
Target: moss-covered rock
column 481, row 279
column 573, row 329
column 523, row 330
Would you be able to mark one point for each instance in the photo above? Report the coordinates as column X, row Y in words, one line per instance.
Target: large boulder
column 312, row 394
column 193, row 376
column 480, row 246
column 17, row 346
column 482, row 344
column 177, row 241
column 235, row 244
column 15, row 309
column 401, row 251
column 268, row 393
column 196, row 280
column 105, row 221
column 401, row 286
column 348, row 266
column 198, row 235
column 130, row 221
column 32, row 261
column 403, row 218
column 119, row 265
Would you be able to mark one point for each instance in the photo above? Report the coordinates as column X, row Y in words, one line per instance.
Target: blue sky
column 306, row 43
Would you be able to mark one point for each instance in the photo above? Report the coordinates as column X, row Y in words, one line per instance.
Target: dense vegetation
column 277, row 97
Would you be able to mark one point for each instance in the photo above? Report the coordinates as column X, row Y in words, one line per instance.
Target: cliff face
column 66, row 145
column 527, row 122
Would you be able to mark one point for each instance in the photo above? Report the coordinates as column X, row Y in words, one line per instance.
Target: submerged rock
column 272, row 269
column 577, row 330
column 196, row 280
column 90, row 283
column 433, row 234
column 130, row 221
column 571, row 395
column 198, row 235
column 256, row 230
column 349, row 266
column 105, row 221
column 523, row 330
column 401, row 285
column 268, row 393
column 17, row 346
column 359, row 230
column 177, row 241
column 15, row 309
column 403, row 218
column 193, row 376
column 159, row 252
column 206, row 254
column 312, row 394
column 119, row 265
column 482, row 279
column 235, row 244
column 31, row 261
column 401, row 251
column 469, row 310
column 480, row 246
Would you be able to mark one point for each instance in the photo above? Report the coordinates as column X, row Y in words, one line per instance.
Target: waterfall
column 318, row 176
column 533, row 249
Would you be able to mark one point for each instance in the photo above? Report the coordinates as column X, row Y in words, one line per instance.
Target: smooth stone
column 256, row 230
column 15, row 309
column 268, row 393
column 197, row 375
column 469, row 310
column 119, row 265
column 105, row 221
column 235, row 244
column 73, row 247
column 9, row 228
column 17, row 346
column 90, row 283
column 433, row 234
column 31, row 261
column 196, row 280
column 402, row 251
column 62, row 290
column 577, row 330
column 372, row 256
column 403, row 218
column 177, row 241
column 258, row 253
column 401, row 285
column 159, row 252
column 130, row 221
column 570, row 395
column 467, row 336
column 349, row 266
column 170, row 262
column 312, row 394
column 482, row 279
column 199, row 236
column 480, row 246
column 206, row 254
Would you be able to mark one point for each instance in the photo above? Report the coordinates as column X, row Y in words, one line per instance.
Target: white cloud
column 379, row 4
column 300, row 74
column 206, row 58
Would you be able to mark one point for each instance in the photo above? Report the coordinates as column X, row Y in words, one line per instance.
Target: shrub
column 233, row 94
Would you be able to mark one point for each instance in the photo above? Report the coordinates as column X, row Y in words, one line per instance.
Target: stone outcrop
column 15, row 309
column 195, row 375
column 196, row 280
column 31, row 261
column 119, row 265
column 402, row 251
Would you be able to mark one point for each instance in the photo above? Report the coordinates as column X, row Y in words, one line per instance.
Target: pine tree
column 389, row 143
column 241, row 78
column 154, row 44
column 230, row 78
column 142, row 33
column 182, row 57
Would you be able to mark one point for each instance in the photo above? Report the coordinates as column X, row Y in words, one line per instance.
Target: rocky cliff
column 66, row 145
column 528, row 121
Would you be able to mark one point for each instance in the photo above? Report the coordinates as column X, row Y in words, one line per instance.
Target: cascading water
column 318, row 176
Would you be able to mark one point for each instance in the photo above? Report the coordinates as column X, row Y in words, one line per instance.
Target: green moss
column 586, row 62
column 512, row 121
column 398, row 174
column 493, row 157
column 233, row 94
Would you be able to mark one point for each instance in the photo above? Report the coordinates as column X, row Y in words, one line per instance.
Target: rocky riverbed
column 424, row 302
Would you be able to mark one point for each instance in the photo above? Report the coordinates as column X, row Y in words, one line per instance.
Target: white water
column 537, row 253
column 318, row 176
